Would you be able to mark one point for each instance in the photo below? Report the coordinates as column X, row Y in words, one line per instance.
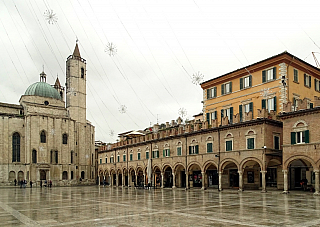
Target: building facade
column 45, row 138
column 241, row 141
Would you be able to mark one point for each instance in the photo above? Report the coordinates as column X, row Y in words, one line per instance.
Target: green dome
column 42, row 89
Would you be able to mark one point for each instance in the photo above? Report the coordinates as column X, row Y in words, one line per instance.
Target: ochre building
column 242, row 142
column 46, row 138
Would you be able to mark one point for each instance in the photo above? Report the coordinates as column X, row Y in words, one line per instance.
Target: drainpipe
column 219, row 175
column 187, row 175
column 127, row 159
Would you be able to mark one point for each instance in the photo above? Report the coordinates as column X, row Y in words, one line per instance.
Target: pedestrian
column 50, row 183
column 30, row 183
column 21, row 183
column 45, row 183
column 40, row 183
column 24, row 183
column 15, row 182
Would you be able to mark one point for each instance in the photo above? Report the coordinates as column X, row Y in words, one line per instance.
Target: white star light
column 111, row 49
column 122, row 109
column 197, row 78
column 50, row 17
column 182, row 112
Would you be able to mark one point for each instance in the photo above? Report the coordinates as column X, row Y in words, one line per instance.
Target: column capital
column 285, row 171
column 240, row 172
column 263, row 171
column 220, row 172
column 316, row 171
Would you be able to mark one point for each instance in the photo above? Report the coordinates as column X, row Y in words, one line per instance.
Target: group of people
column 23, row 183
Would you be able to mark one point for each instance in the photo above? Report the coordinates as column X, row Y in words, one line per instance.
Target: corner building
column 239, row 143
column 45, row 138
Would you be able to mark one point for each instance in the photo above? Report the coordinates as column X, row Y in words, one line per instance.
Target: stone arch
column 100, row 171
column 179, row 143
column 246, row 160
column 194, row 141
column 166, row 145
column 208, row 163
column 209, row 138
column 278, row 161
column 226, row 161
column 295, row 125
column 177, row 165
column 112, row 171
column 228, row 135
column 287, row 162
column 165, row 166
column 106, row 172
column 248, row 133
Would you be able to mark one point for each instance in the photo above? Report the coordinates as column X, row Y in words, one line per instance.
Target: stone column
column 220, row 181
column 144, row 179
column 136, row 179
column 174, row 180
column 203, row 180
column 99, row 180
column 123, row 180
column 263, row 175
column 117, row 180
column 240, row 181
column 162, row 186
column 109, row 180
column 285, row 181
column 187, row 180
column 316, row 184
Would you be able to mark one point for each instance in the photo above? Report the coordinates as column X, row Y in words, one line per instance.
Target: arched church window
column 56, row 157
column 16, row 147
column 43, row 137
column 65, row 138
column 64, row 175
column 82, row 73
column 82, row 174
column 34, row 156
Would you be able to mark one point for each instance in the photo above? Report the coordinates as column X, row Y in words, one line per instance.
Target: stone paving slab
column 116, row 207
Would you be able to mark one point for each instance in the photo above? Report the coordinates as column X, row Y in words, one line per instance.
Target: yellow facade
column 272, row 80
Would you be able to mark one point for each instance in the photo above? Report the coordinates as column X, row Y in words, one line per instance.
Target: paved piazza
column 99, row 206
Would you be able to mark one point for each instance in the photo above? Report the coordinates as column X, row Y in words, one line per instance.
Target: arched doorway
column 168, row 178
column 12, row 176
column 43, row 175
column 300, row 175
column 230, row 175
column 82, row 174
column 119, row 183
column 125, row 175
column 132, row 177
column 64, row 175
column 274, row 167
column 157, row 177
column 195, row 176
column 180, row 176
column 251, row 175
column 140, row 180
column 212, row 176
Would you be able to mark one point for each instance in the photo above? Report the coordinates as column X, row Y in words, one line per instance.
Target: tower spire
column 76, row 52
column 43, row 77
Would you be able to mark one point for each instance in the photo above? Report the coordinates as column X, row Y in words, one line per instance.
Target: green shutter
column 264, row 76
column 274, row 73
column 305, row 80
column 222, row 89
column 309, row 81
column 231, row 115
column 241, row 83
column 240, row 112
column 306, row 134
column 209, row 147
column 208, row 118
column 178, row 151
column 251, row 108
column 311, row 105
column 250, row 80
column 293, row 138
column 169, row 152
column 263, row 104
column 315, row 83
column 147, row 155
column 215, row 92
column 215, row 115
column 275, row 103
column 230, row 84
column 131, row 157
column 197, row 149
column 221, row 115
column 208, row 93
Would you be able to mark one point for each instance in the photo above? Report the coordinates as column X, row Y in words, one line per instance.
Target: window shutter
column 275, row 103
column 264, row 78
column 208, row 93
column 222, row 114
column 250, row 80
column 306, row 138
column 209, row 147
column 263, row 104
column 231, row 115
column 274, row 73
column 168, row 152
column 152, row 154
column 241, row 83
column 315, row 84
column 222, row 89
column 208, row 118
column 215, row 92
column 311, row 105
column 189, row 149
column 230, row 84
column 309, row 81
column 305, row 79
column 215, row 115
column 293, row 138
column 240, row 112
column 197, row 149
column 251, row 108
column 164, row 153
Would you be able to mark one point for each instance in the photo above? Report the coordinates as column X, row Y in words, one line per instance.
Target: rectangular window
column 300, row 137
column 100, row 160
column 131, row 157
column 270, row 104
column 194, row 149
column 211, row 116
column 111, row 160
column 147, row 155
column 295, row 75
column 228, row 113
column 179, row 153
column 226, row 88
column 124, row 157
column 229, row 145
column 316, row 85
column 276, row 140
column 250, row 143
column 155, row 154
column 106, row 160
column 245, row 82
column 212, row 93
column 118, row 158
column 307, row 80
column 209, row 147
column 139, row 156
column 166, row 153
column 269, row 75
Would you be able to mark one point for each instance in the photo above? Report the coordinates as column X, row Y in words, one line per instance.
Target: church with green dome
column 46, row 137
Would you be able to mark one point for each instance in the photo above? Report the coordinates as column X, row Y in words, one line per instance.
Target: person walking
column 15, row 182
column 30, row 183
column 40, row 183
column 50, row 183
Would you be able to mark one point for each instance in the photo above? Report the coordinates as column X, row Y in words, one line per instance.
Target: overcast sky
column 160, row 46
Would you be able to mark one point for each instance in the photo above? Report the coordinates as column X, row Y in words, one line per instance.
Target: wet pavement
column 110, row 206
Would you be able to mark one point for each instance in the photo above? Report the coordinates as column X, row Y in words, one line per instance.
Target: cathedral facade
column 47, row 138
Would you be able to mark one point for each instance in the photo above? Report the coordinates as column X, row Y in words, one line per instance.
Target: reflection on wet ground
column 99, row 206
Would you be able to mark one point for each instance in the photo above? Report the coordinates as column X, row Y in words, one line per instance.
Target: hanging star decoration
column 111, row 133
column 111, row 49
column 182, row 112
column 122, row 109
column 197, row 78
column 50, row 16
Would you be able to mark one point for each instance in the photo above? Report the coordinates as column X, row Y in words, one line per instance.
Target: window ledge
column 296, row 82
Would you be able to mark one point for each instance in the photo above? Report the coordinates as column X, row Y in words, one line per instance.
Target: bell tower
column 76, row 86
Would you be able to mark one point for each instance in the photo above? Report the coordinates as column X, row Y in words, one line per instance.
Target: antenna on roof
column 315, row 59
